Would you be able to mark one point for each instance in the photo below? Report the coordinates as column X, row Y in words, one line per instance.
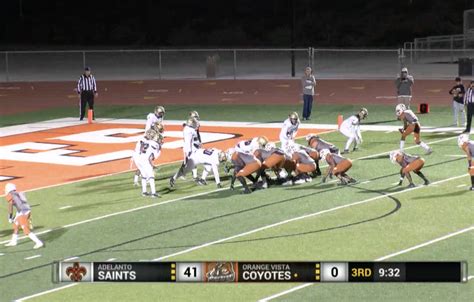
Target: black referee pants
column 470, row 112
column 87, row 98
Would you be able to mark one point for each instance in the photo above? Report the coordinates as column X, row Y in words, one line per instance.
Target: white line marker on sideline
column 365, row 182
column 32, row 257
column 1, row 254
column 72, row 258
column 111, row 259
column 65, row 207
column 460, row 186
column 283, row 293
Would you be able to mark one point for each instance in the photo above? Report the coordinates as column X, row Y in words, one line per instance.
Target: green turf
column 378, row 114
column 363, row 231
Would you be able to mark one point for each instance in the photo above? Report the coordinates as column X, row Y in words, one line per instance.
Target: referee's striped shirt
column 469, row 96
column 86, row 83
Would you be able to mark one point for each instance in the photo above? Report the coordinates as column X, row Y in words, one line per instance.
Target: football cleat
column 145, row 194
column 156, row 195
column 412, row 185
column 11, row 243
column 345, row 151
column 172, row 182
column 38, row 245
column 429, row 151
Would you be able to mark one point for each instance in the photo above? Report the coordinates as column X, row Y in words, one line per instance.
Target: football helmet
column 393, row 156
column 363, row 113
column 158, row 127
column 262, row 141
column 150, row 134
column 270, row 146
column 294, row 118
column 192, row 122
column 160, row 111
column 9, row 187
column 194, row 114
column 399, row 109
column 223, row 156
column 462, row 139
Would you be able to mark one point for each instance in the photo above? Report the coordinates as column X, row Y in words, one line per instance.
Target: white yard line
column 296, row 288
column 299, row 218
column 365, row 182
column 70, row 259
column 47, row 292
column 32, row 257
column 426, row 243
column 111, row 259
column 123, row 212
column 65, row 207
column 254, row 231
column 177, row 199
column 460, row 186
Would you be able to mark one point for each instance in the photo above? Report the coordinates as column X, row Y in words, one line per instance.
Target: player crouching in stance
column 468, row 146
column 410, row 125
column 244, row 165
column 146, row 151
column 23, row 215
column 318, row 144
column 351, row 129
column 272, row 158
column 302, row 165
column 210, row 158
column 409, row 164
column 338, row 166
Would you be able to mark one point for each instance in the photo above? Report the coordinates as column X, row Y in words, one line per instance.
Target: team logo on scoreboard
column 220, row 272
column 76, row 272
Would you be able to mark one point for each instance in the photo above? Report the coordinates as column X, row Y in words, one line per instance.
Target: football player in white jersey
column 190, row 145
column 155, row 117
column 210, row 159
column 288, row 131
column 158, row 127
column 251, row 145
column 147, row 150
column 350, row 128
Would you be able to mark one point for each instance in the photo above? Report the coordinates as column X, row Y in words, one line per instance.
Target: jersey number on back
column 143, row 147
column 208, row 152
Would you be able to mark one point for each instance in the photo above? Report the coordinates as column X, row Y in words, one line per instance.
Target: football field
column 98, row 215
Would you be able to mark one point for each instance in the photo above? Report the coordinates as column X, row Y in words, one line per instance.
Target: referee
column 87, row 89
column 469, row 102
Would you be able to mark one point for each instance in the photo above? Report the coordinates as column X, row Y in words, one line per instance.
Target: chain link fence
column 229, row 63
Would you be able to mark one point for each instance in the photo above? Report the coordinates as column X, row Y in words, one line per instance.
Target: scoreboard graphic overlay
column 231, row 271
